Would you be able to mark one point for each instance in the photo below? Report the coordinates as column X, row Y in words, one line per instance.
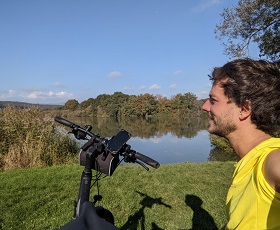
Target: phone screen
column 118, row 141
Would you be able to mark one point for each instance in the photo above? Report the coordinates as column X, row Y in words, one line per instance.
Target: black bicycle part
column 94, row 153
column 131, row 156
column 84, row 191
column 79, row 133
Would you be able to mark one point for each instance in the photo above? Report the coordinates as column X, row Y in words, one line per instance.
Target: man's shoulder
column 272, row 142
column 274, row 156
column 272, row 168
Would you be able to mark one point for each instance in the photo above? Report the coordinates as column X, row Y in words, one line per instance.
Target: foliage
column 87, row 103
column 42, row 198
column 221, row 149
column 71, row 104
column 183, row 103
column 29, row 139
column 256, row 21
column 143, row 105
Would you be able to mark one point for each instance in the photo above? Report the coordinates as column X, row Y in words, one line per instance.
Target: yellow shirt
column 251, row 202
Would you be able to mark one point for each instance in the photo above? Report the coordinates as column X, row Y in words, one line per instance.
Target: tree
column 252, row 21
column 85, row 104
column 183, row 103
column 71, row 104
column 164, row 105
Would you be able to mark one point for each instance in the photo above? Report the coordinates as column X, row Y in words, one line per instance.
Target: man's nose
column 206, row 105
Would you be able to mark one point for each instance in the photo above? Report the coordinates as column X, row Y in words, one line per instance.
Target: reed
column 29, row 138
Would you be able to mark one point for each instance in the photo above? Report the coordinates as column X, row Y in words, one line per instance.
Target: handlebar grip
column 64, row 122
column 147, row 160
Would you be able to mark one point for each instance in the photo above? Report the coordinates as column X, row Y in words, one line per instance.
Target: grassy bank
column 166, row 198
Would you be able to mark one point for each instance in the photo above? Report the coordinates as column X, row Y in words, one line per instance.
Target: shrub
column 30, row 139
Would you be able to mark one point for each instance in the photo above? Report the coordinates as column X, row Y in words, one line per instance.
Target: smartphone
column 118, row 141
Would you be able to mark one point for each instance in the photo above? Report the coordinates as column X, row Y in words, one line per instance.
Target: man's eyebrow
column 211, row 95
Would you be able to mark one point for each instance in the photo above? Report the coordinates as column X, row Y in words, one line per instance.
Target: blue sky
column 55, row 50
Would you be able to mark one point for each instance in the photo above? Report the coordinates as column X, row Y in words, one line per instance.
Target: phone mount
column 102, row 155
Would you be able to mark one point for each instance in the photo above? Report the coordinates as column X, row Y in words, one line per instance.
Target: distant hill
column 27, row 105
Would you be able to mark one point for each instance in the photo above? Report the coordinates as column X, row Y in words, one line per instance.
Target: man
column 244, row 107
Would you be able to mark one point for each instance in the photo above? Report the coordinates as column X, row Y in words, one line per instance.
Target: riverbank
column 166, row 198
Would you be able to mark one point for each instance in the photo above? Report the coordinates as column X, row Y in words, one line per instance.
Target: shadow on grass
column 201, row 220
column 138, row 218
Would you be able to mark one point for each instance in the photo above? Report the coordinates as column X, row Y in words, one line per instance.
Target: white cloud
column 155, row 140
column 47, row 94
column 11, row 93
column 178, row 72
column 115, row 74
column 8, row 95
column 173, row 86
column 205, row 4
column 35, row 96
column 154, row 87
column 209, row 85
column 129, row 88
column 58, row 84
column 143, row 87
column 202, row 95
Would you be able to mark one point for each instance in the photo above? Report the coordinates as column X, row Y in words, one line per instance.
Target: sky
column 52, row 51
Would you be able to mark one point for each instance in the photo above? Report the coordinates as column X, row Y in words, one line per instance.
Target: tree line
column 143, row 105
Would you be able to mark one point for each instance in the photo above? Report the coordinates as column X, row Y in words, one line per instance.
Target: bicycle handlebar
column 79, row 133
column 130, row 155
column 66, row 122
column 147, row 160
column 102, row 155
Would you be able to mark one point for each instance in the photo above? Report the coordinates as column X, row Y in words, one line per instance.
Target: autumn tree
column 141, row 105
column 252, row 21
column 111, row 104
column 71, row 104
column 164, row 105
column 183, row 104
column 87, row 103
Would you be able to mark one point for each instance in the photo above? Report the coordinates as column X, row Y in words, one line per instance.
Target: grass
column 175, row 196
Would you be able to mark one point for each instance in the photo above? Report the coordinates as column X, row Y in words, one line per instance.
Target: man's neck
column 243, row 142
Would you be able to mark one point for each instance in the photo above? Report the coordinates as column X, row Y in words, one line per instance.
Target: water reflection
column 169, row 148
column 168, row 140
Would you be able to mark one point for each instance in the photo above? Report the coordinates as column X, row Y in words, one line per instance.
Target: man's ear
column 245, row 110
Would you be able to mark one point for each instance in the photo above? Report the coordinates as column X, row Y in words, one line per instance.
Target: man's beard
column 221, row 128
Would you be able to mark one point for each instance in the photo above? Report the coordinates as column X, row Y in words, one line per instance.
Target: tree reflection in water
column 169, row 139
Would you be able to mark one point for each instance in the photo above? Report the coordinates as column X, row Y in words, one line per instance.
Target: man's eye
column 212, row 101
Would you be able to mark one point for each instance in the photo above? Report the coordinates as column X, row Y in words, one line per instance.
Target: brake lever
column 78, row 134
column 142, row 164
column 130, row 158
